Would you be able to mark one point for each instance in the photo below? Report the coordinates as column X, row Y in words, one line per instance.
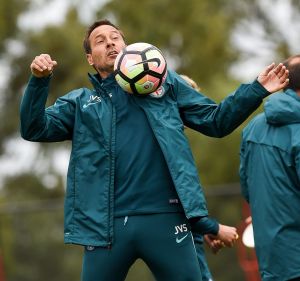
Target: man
column 133, row 188
column 270, row 180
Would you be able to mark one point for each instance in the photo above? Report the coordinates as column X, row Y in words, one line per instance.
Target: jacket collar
column 283, row 108
column 99, row 83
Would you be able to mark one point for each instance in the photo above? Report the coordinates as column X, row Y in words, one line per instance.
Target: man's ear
column 89, row 59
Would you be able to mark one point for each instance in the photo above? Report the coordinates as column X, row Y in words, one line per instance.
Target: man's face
column 106, row 42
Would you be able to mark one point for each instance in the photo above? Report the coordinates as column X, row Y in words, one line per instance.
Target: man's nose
column 110, row 42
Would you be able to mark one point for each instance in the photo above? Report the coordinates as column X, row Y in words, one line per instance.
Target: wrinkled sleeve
column 217, row 120
column 297, row 161
column 242, row 172
column 38, row 123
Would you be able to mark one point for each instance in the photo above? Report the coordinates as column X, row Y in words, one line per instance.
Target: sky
column 44, row 12
column 250, row 38
column 21, row 155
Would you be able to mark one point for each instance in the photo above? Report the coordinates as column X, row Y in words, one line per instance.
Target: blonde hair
column 191, row 82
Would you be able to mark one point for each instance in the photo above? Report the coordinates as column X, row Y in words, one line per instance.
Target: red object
column 247, row 256
column 2, row 278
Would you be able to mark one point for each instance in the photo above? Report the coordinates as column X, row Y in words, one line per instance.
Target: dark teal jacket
column 270, row 181
column 88, row 118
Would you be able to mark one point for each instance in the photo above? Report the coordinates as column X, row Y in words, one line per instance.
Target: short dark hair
column 293, row 66
column 86, row 41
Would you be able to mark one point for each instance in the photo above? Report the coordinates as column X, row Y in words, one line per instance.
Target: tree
column 9, row 12
column 67, row 50
column 32, row 223
column 195, row 36
column 40, row 230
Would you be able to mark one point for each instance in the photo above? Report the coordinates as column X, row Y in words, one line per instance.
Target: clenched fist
column 42, row 65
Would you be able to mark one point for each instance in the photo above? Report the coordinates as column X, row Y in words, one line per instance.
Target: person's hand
column 42, row 65
column 214, row 244
column 248, row 220
column 227, row 234
column 274, row 78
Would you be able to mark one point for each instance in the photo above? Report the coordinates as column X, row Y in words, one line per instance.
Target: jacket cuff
column 260, row 89
column 40, row 81
column 205, row 225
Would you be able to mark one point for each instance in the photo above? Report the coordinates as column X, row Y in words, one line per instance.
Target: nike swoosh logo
column 179, row 240
column 157, row 60
column 91, row 103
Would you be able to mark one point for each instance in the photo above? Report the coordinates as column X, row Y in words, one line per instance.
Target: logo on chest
column 92, row 100
column 160, row 92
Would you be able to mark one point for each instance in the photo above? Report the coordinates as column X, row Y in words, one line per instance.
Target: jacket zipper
column 107, row 96
column 111, row 175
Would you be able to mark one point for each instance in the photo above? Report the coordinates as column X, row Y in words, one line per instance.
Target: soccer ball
column 140, row 69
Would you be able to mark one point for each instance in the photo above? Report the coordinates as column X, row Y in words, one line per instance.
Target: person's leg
column 166, row 245
column 103, row 264
column 199, row 245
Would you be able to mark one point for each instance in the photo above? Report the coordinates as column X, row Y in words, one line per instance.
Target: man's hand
column 274, row 78
column 227, row 234
column 214, row 244
column 42, row 66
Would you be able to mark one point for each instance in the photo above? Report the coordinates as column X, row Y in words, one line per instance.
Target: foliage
column 195, row 36
column 33, row 224
column 271, row 29
column 70, row 72
column 9, row 12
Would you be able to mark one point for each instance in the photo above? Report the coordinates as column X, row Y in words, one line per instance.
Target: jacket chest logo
column 92, row 100
column 158, row 93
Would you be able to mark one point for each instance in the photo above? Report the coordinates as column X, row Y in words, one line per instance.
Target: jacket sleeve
column 297, row 161
column 242, row 172
column 217, row 120
column 204, row 225
column 54, row 123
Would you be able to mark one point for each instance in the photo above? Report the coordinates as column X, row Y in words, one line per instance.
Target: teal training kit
column 163, row 241
column 270, row 181
column 88, row 118
column 143, row 184
column 132, row 179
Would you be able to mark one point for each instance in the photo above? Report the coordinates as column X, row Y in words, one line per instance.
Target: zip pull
column 125, row 220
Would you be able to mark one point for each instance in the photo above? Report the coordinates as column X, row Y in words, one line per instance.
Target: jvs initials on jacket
column 92, row 100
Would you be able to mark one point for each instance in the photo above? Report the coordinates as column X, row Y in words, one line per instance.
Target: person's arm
column 242, row 172
column 37, row 123
column 217, row 120
column 205, row 225
column 217, row 231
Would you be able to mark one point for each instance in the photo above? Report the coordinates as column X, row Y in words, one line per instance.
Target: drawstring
column 125, row 220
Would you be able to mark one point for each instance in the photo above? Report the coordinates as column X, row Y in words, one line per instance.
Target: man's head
column 293, row 66
column 102, row 43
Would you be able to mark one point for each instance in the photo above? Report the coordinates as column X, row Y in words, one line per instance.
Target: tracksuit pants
column 163, row 241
